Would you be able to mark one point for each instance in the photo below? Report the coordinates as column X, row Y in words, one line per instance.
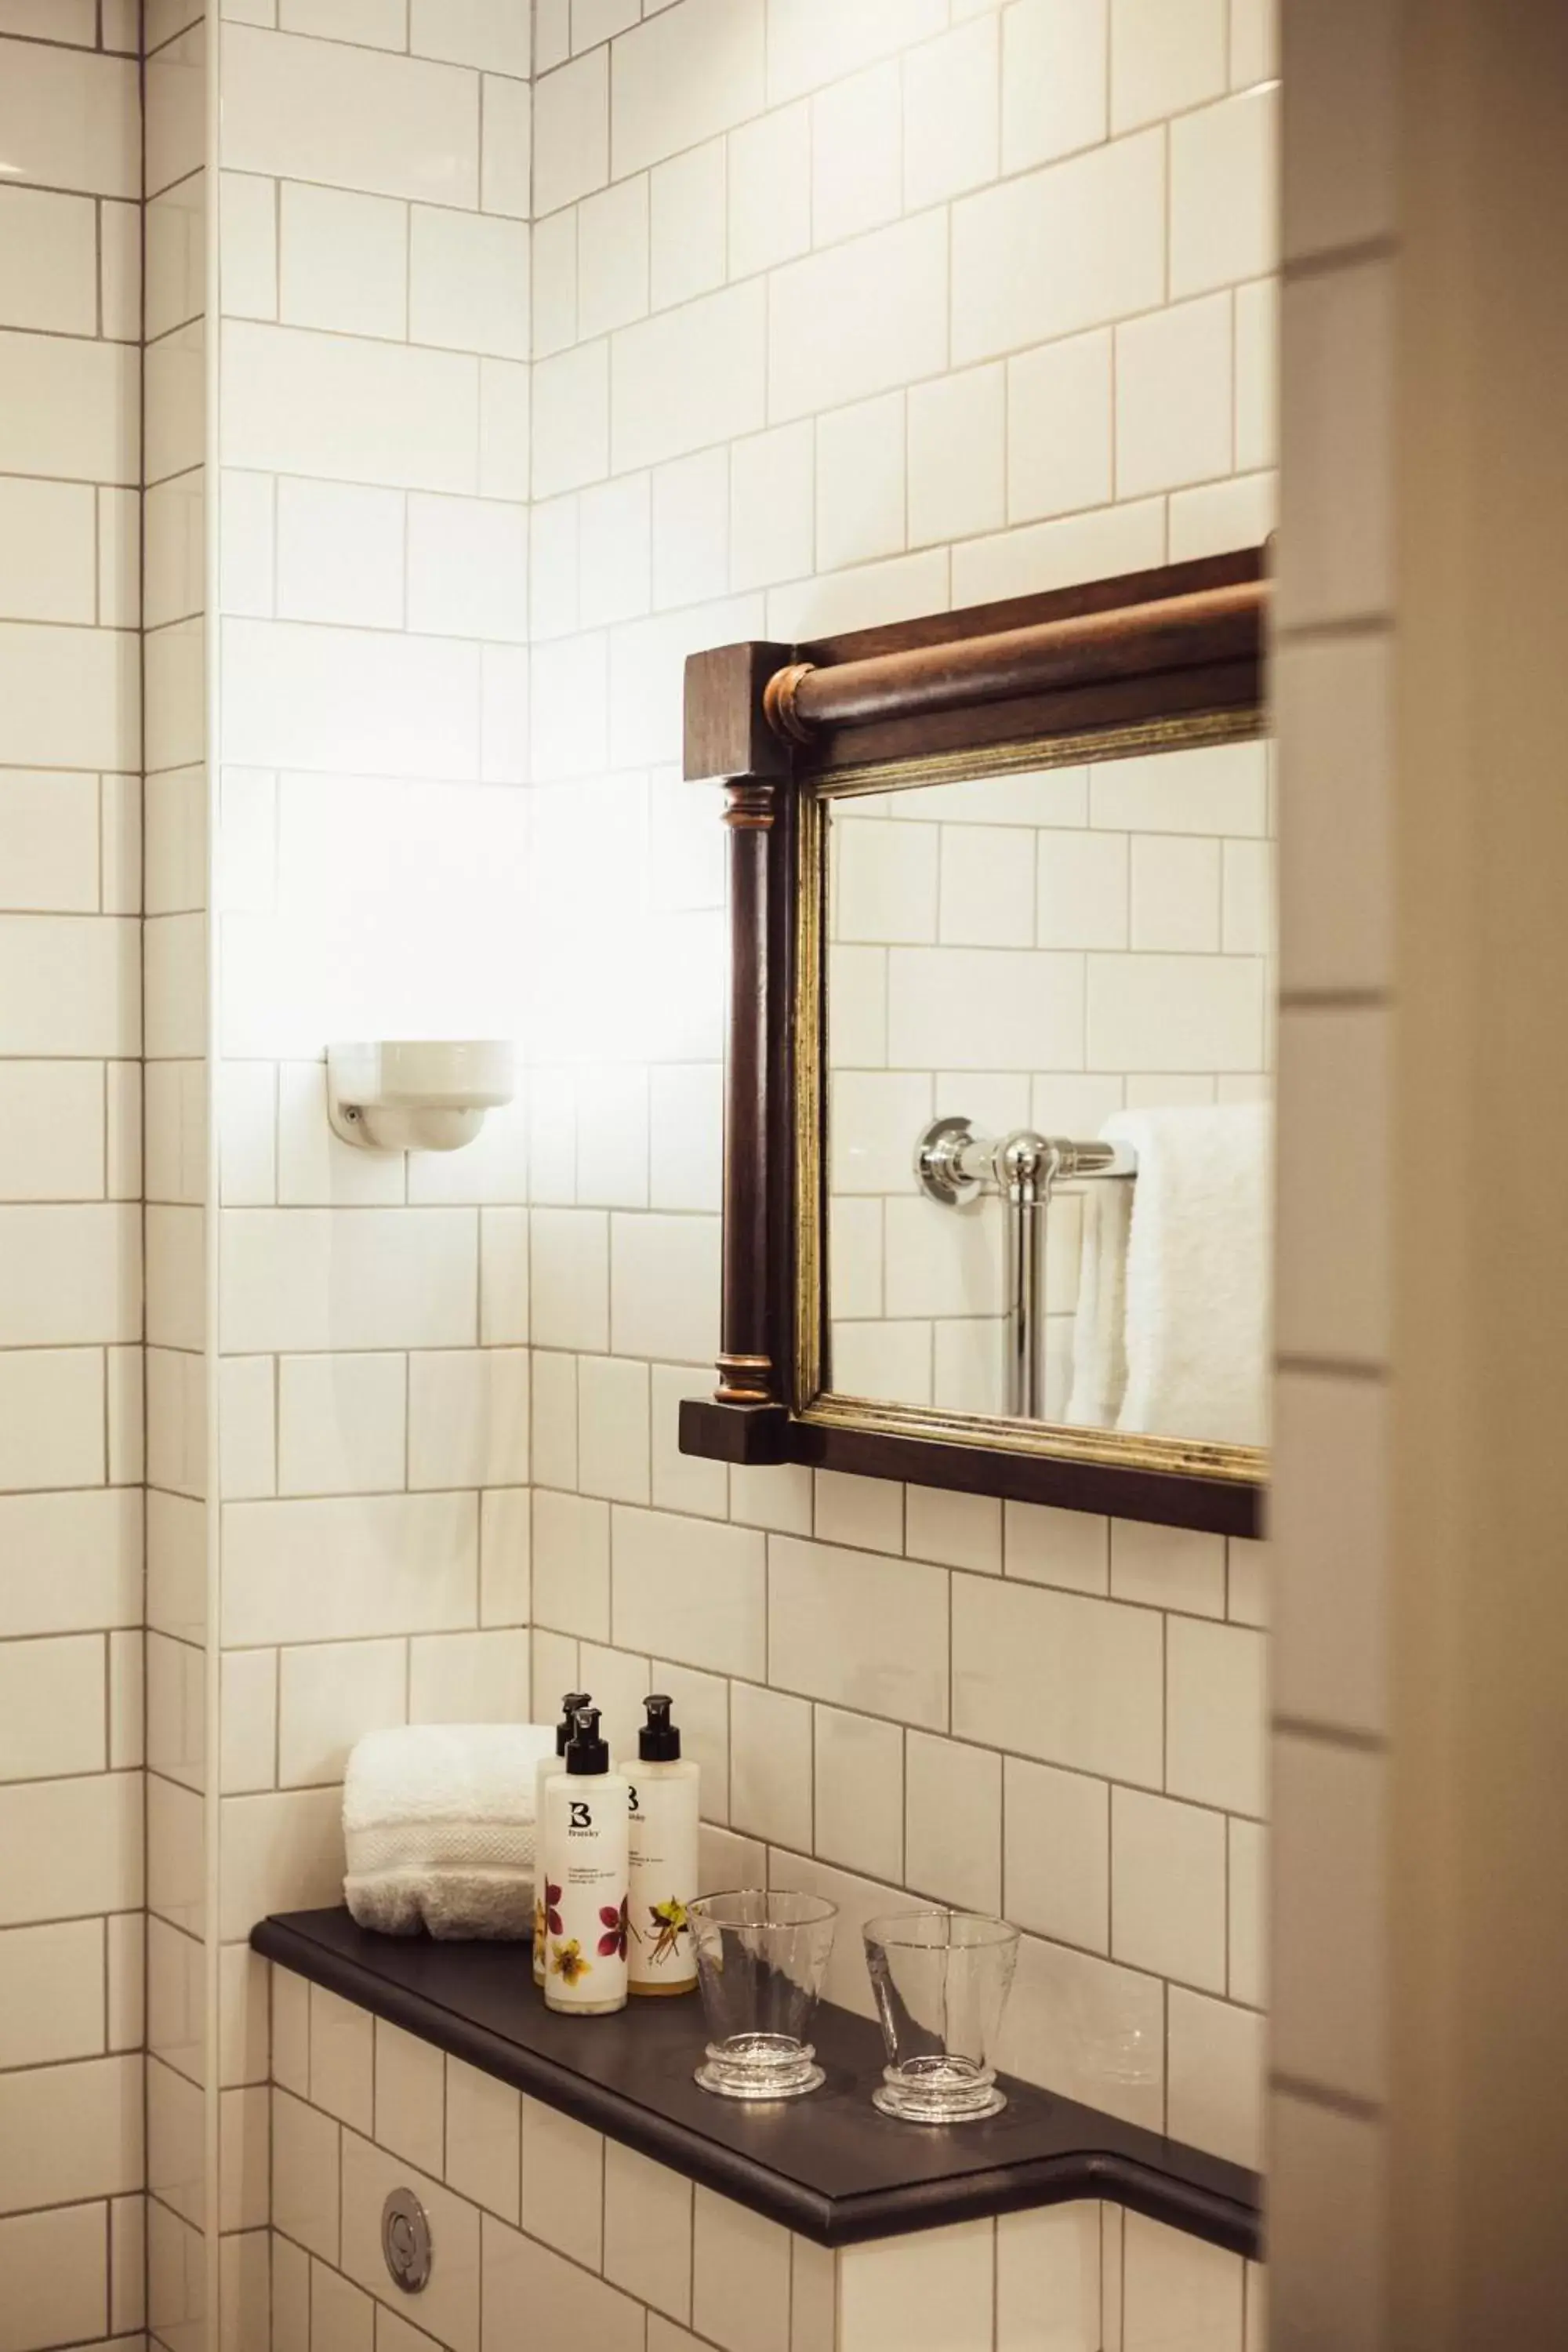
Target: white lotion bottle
column 664, row 1818
column 587, row 1857
column 543, row 1772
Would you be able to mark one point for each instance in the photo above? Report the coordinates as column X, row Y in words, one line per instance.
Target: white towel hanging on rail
column 1100, row 1325
column 1173, row 1322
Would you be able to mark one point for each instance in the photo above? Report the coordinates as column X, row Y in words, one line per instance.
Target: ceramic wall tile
column 349, row 117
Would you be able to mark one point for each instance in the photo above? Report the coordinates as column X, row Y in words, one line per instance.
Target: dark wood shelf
column 828, row 2166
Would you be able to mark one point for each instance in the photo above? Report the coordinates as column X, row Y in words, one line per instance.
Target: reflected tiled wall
column 71, row 2103
column 1033, row 950
column 841, row 313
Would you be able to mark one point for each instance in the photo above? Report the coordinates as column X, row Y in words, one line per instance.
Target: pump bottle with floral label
column 586, row 1863
column 544, row 1769
column 664, row 1819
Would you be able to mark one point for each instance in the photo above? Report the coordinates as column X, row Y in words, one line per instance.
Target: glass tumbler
column 761, row 1958
column 941, row 1979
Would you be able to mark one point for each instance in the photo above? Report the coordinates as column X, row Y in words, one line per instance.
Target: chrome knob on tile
column 406, row 2240
column 939, row 1162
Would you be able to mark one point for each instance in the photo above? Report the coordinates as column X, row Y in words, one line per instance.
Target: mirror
column 998, row 1097
column 1047, row 1055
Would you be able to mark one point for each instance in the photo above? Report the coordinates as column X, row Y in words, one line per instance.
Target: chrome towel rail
column 954, row 1166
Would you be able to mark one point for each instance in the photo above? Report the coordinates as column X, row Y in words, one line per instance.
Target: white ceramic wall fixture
column 415, row 1094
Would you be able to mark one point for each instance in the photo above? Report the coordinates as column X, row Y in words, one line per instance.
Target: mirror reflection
column 1049, row 1044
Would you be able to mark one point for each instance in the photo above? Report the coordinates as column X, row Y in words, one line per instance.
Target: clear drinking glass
column 761, row 1958
column 941, row 1979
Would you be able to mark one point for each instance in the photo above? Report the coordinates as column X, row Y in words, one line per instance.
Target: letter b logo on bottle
column 582, row 1817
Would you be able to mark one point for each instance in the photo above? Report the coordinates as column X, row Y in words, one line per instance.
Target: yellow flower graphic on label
column 669, row 1925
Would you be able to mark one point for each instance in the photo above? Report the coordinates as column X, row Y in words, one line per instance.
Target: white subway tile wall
column 779, row 414
column 740, row 319
column 619, row 2252
column 852, row 441
column 374, row 403
column 72, row 2109
column 356, row 1490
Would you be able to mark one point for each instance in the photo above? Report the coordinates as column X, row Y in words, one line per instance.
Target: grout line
column 1354, row 627
column 1296, row 268
column 1329, row 1734
column 1321, row 2095
column 1339, row 1368
column 1122, row 2289
column 65, row 49
column 1335, row 1000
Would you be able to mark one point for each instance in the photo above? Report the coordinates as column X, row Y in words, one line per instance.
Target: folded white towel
column 438, row 1828
column 1197, row 1271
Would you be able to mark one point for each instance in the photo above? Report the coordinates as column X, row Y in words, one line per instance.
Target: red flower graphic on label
column 617, row 1926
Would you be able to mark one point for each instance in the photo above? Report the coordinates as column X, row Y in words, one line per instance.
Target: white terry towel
column 1195, row 1282
column 1197, row 1271
column 1100, row 1325
column 438, row 1828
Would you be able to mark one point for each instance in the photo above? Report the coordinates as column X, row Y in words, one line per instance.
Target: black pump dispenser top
column 658, row 1741
column 570, row 1702
column 586, row 1753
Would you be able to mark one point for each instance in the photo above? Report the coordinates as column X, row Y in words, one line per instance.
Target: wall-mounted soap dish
column 408, row 1095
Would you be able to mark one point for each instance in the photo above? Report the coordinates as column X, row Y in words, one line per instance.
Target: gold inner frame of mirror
column 831, row 1408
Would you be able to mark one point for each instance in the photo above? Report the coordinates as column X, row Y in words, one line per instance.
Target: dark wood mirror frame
column 1150, row 660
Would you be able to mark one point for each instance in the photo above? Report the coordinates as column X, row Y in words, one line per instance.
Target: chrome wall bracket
column 954, row 1166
